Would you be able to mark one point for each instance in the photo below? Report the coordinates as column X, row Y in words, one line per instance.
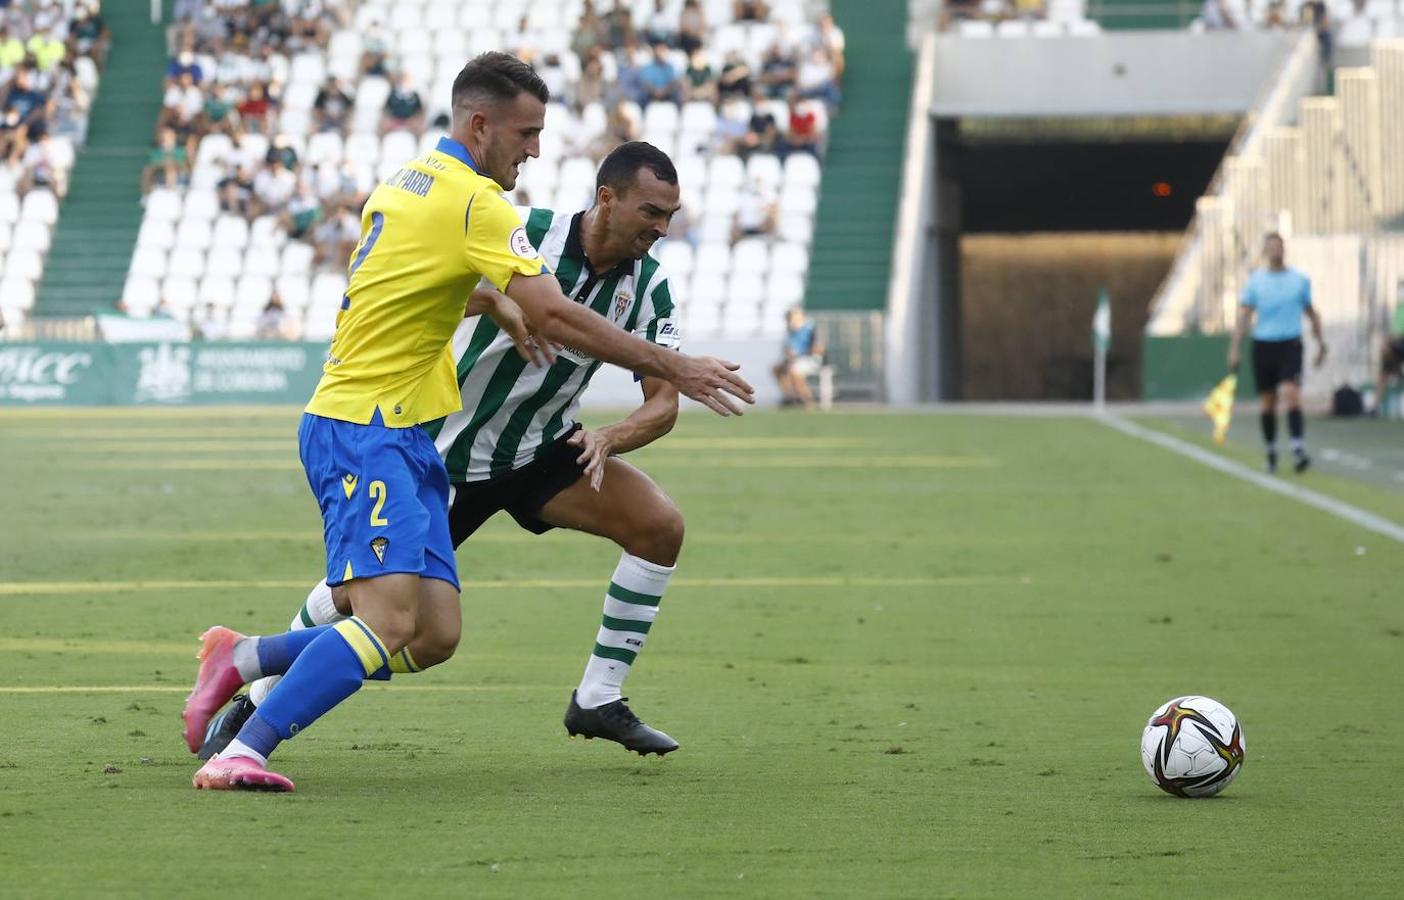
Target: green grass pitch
column 906, row 656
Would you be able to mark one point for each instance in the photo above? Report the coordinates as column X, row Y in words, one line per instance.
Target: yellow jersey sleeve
column 496, row 243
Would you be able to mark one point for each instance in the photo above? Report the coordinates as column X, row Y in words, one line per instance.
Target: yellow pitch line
column 88, row 413
column 153, row 434
column 15, row 588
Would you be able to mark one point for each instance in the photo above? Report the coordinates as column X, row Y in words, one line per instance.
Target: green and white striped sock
column 317, row 609
column 629, row 610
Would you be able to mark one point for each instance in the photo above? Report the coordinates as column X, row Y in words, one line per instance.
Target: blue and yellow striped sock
column 329, row 670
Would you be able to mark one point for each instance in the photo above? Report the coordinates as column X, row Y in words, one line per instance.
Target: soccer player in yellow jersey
column 429, row 233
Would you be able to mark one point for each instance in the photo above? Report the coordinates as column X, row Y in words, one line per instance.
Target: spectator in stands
column 14, row 139
column 271, row 321
column 817, row 78
column 755, row 211
column 88, row 35
column 778, row 70
column 804, row 134
column 619, row 26
column 590, row 88
column 168, row 166
column 661, row 27
column 375, row 56
column 253, row 110
column 33, row 106
column 12, row 51
column 335, row 237
column 762, row 131
column 273, row 187
column 163, row 310
column 621, row 127
column 735, row 79
column 699, row 79
column 45, row 164
column 802, row 356
column 1317, row 13
column 209, row 324
column 333, row 105
column 184, row 64
column 733, row 117
column 750, row 10
column 46, row 50
column 304, row 211
column 404, row 110
column 692, row 27
column 309, row 27
column 659, row 78
column 218, row 115
column 71, row 112
column 831, row 38
column 181, row 111
column 281, row 148
column 628, row 76
column 590, row 33
column 1217, row 16
column 236, row 192
column 553, row 72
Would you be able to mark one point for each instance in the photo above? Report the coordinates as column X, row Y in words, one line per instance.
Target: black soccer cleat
column 225, row 727
column 1300, row 461
column 616, row 722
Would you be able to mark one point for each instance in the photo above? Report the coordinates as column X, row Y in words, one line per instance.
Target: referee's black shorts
column 521, row 492
column 1275, row 362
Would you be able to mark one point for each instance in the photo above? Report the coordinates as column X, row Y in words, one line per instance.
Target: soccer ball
column 1192, row 747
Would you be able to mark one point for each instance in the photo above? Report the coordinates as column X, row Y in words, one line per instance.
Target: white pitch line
column 1338, row 508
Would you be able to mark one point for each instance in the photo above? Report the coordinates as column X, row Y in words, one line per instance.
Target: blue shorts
column 384, row 496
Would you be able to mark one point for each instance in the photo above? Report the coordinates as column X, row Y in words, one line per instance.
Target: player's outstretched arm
column 508, row 316
column 712, row 382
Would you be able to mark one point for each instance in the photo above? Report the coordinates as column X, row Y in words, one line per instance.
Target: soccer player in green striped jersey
column 516, row 444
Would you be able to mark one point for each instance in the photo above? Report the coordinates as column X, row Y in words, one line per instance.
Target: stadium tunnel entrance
column 1045, row 217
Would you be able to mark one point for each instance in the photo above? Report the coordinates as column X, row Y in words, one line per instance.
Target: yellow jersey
column 429, row 233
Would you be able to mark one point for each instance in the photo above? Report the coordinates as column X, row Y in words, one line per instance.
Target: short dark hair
column 1273, row 236
column 497, row 77
column 620, row 169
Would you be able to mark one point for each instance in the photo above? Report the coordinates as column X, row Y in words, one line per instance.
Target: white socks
column 629, row 610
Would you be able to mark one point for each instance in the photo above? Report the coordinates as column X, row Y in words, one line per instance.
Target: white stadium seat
column 801, row 168
column 230, row 231
column 676, row 257
column 799, row 200
column 180, row 292
column 201, row 205
column 750, row 256
column 726, row 172
column 294, row 290
column 216, row 289
column 164, row 204
column 765, row 169
column 148, row 262
column 16, row 294
column 186, row 262
column 34, row 236
column 796, row 229
column 193, row 234
column 712, row 259
column 253, row 292
column 297, row 259
column 265, row 232
column 783, row 290
column 224, row 263
column 261, row 264
column 9, row 208
column 6, row 235
column 362, row 149
column 398, row 148
column 789, row 259
column 141, row 294
column 39, row 205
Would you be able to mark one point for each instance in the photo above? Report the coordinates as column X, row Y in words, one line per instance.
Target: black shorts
column 1392, row 360
column 522, row 492
column 1275, row 362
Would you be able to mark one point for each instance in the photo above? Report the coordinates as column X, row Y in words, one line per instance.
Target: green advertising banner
column 158, row 373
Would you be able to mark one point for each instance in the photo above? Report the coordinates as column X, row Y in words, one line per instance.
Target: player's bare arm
column 712, row 382
column 530, row 345
column 653, row 419
column 1240, row 328
column 1315, row 319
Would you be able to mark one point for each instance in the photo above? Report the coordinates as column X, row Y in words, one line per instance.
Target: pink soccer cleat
column 217, row 681
column 239, row 773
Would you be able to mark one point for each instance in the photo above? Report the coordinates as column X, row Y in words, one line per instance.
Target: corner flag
column 1219, row 406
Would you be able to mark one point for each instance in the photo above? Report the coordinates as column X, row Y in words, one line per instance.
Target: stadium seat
column 9, row 208
column 39, row 205
column 16, row 293
column 741, row 320
column 180, row 292
column 224, row 263
column 31, row 236
column 265, row 233
column 1046, row 29
column 765, row 169
column 261, row 264
column 789, row 259
column 6, row 235
column 186, row 262
column 715, row 227
column 140, row 295
column 661, row 118
column 193, row 234
column 975, row 28
column 702, row 319
column 362, row 149
column 371, row 94
column 750, row 256
column 230, row 231
column 148, row 262
column 1084, row 28
column 725, row 172
column 15, row 317
column 676, row 258
column 398, row 148
column 294, row 290
column 205, row 177
column 796, row 229
column 214, row 149
column 801, row 168
column 783, row 290
column 297, row 259
column 798, row 200
column 200, row 205
column 216, row 289
column 253, row 291
column 712, row 260
column 720, row 200
column 324, row 147
column 1012, row 28
column 163, row 205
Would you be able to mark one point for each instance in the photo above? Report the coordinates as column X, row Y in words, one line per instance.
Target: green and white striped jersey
column 511, row 409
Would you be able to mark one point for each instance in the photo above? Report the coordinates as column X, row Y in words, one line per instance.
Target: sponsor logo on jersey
column 621, row 303
column 668, row 334
column 378, row 547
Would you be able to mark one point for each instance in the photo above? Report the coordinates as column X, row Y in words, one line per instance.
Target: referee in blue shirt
column 1274, row 300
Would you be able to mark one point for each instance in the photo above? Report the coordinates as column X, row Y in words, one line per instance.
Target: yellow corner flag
column 1219, row 407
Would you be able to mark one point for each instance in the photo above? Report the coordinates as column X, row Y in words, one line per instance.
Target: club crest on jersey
column 378, row 546
column 621, row 303
column 348, row 484
column 519, row 244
